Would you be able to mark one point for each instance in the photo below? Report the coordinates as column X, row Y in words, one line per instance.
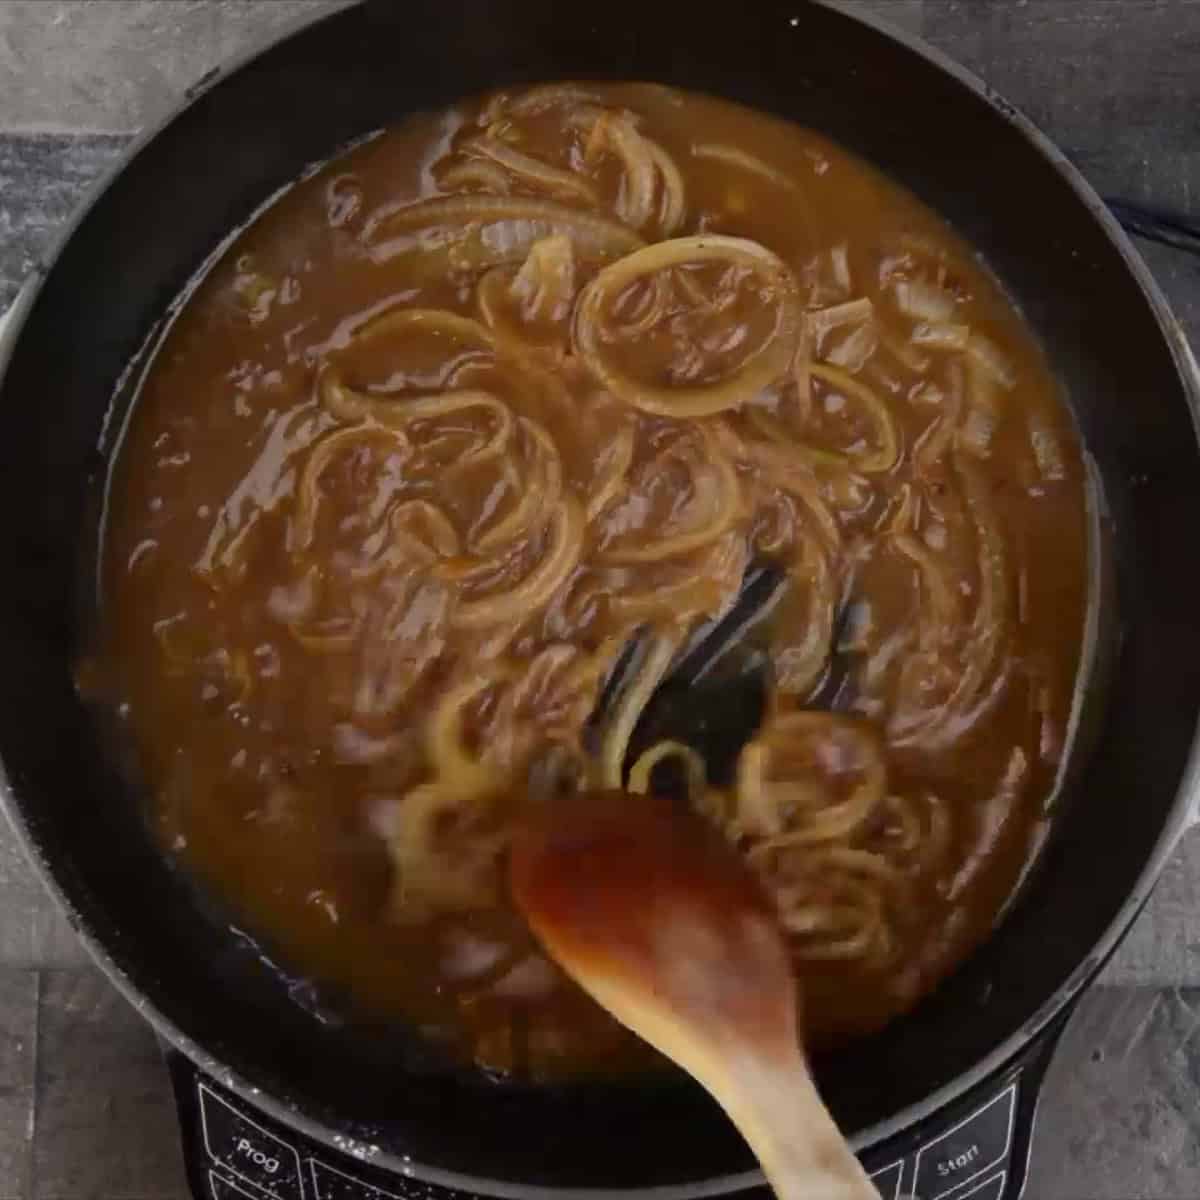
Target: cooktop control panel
column 970, row 1160
column 234, row 1152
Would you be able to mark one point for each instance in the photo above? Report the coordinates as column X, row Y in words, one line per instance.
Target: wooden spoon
column 656, row 917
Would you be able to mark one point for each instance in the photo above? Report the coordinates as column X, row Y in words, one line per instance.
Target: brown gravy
column 273, row 780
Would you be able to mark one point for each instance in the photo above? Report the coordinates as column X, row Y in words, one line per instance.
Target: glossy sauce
column 272, row 783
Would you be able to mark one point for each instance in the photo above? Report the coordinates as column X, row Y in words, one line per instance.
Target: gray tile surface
column 1113, row 81
column 42, row 177
column 85, row 1112
column 1116, row 83
column 104, row 1125
column 1163, row 948
column 18, row 1060
column 1121, row 1107
column 33, row 932
column 110, row 66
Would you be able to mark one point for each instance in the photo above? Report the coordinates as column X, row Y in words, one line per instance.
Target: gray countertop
column 85, row 1112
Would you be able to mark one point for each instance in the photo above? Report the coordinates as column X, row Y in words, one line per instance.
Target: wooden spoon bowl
column 657, row 918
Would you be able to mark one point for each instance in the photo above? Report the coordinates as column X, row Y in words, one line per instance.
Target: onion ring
column 762, row 367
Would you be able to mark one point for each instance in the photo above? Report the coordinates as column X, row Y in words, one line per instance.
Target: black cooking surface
column 976, row 1150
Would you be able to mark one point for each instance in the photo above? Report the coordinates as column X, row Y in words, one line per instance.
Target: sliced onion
column 799, row 662
column 688, row 597
column 261, row 491
column 440, row 321
column 540, row 491
column 923, row 301
column 852, row 312
column 545, row 284
column 393, row 322
column 979, row 666
column 786, row 470
column 834, row 918
column 645, row 163
column 543, row 288
column 615, row 743
column 900, row 515
column 992, row 612
column 478, row 232
column 735, row 156
column 992, row 360
column 934, row 444
column 395, row 414
column 886, row 452
column 978, row 430
column 989, row 625
column 493, row 294
column 308, row 487
column 486, row 176
column 706, row 590
column 904, row 352
column 539, row 713
column 778, row 434
column 854, row 351
column 417, row 533
column 839, row 265
column 767, row 806
column 456, row 768
column 940, row 335
column 436, row 872
column 761, row 368
column 537, row 100
column 983, row 409
column 390, row 324
column 1047, row 449
column 564, row 184
column 674, row 197
column 653, row 308
column 566, row 545
column 635, row 204
column 802, row 377
column 616, row 461
column 725, row 509
column 641, row 772
column 694, row 588
column 943, row 611
column 402, row 640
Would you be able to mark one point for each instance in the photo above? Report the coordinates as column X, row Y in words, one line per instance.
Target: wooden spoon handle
column 776, row 1106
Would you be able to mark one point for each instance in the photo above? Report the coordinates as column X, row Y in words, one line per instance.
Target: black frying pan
column 252, row 129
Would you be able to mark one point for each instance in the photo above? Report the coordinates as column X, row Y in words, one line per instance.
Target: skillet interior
column 354, row 71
